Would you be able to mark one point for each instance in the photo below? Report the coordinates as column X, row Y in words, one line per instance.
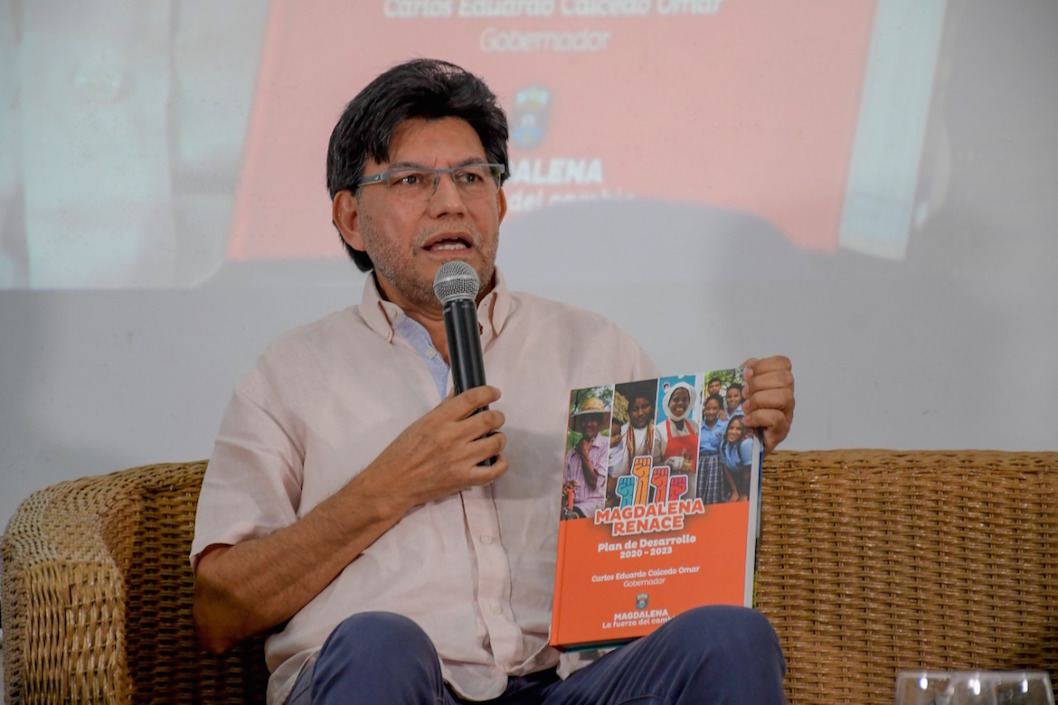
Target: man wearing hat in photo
column 586, row 461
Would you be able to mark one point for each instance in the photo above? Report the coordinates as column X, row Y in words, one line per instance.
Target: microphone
column 456, row 287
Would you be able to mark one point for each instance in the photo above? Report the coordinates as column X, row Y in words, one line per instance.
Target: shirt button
column 496, row 608
column 486, row 539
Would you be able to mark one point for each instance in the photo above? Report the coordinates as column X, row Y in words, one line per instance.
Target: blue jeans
column 706, row 656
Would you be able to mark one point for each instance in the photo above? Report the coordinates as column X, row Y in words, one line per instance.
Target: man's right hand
column 441, row 453
column 252, row 586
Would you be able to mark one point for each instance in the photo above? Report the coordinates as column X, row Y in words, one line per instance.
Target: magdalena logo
column 530, row 117
column 641, row 601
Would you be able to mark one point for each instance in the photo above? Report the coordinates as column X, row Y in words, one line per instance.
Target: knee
column 377, row 657
column 727, row 619
column 381, row 633
column 737, row 631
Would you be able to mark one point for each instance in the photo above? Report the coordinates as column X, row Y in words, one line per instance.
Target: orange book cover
column 660, row 507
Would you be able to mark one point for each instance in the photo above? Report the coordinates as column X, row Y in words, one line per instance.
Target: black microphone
column 456, row 286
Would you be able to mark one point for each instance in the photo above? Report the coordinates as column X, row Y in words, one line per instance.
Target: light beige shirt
column 475, row 570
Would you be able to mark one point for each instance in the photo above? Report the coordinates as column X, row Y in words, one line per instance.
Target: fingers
column 479, row 474
column 443, row 451
column 774, row 425
column 465, row 404
column 766, row 377
column 779, row 398
column 465, row 417
column 771, row 371
column 472, row 439
column 487, row 445
column 770, row 401
column 488, row 473
column 483, row 423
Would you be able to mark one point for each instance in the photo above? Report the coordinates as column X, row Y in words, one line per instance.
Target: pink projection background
column 743, row 105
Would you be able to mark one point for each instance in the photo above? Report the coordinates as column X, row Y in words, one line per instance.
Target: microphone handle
column 464, row 344
column 464, row 348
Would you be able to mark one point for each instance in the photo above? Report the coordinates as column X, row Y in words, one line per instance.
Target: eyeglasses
column 418, row 184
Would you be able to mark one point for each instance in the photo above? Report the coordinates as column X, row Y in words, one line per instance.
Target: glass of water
column 974, row 688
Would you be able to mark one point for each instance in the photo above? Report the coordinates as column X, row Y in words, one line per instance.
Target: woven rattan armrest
column 64, row 598
column 97, row 595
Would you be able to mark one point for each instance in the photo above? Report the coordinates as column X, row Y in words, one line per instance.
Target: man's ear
column 501, row 203
column 345, row 213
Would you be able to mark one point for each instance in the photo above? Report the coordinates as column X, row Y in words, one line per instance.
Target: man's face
column 714, row 387
column 409, row 243
column 733, row 398
column 640, row 412
column 589, row 426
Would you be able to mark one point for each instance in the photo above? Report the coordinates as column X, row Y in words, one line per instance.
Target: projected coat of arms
column 530, row 115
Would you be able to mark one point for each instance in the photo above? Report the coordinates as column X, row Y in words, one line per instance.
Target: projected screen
column 146, row 146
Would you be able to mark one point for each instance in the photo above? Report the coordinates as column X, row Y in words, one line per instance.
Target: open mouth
column 449, row 244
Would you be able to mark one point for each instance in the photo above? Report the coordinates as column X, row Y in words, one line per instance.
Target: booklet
column 660, row 506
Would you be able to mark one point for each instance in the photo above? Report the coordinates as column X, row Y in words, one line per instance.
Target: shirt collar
column 380, row 314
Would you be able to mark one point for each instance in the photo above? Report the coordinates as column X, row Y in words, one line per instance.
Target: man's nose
column 448, row 178
column 445, row 190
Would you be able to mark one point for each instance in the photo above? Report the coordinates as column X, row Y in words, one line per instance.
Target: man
column 585, row 468
column 713, row 387
column 617, row 455
column 345, row 511
column 639, row 433
column 734, row 398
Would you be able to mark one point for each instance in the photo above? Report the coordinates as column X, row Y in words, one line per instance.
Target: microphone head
column 456, row 280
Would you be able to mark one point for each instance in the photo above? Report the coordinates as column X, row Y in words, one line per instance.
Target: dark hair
column 421, row 88
column 741, row 422
column 735, row 385
column 716, row 398
column 645, row 389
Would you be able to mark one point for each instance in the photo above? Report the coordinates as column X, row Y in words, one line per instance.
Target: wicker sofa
column 870, row 561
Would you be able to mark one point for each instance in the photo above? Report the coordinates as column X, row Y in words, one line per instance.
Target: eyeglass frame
column 497, row 169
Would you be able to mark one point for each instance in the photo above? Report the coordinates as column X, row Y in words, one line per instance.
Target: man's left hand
column 769, row 404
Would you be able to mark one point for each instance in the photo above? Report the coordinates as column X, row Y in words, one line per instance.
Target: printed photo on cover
column 588, row 449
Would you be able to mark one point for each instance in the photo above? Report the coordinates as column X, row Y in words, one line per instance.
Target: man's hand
column 583, row 446
column 769, row 404
column 440, row 453
column 591, row 475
